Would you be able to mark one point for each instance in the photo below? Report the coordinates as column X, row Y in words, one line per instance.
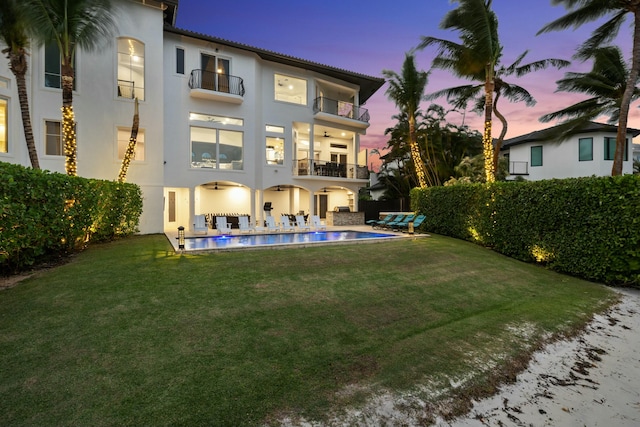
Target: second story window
column 4, row 124
column 130, row 69
column 275, row 145
column 53, row 67
column 290, row 89
column 179, row 60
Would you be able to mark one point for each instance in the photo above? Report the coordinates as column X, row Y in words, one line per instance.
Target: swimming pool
column 246, row 241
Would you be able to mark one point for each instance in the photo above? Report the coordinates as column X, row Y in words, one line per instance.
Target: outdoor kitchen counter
column 345, row 218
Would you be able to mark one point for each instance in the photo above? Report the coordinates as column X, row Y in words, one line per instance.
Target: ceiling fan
column 213, row 187
column 326, row 135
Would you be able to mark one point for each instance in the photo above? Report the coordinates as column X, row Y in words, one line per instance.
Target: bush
column 587, row 227
column 46, row 215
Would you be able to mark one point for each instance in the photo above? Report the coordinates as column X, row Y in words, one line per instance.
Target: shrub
column 587, row 227
column 46, row 215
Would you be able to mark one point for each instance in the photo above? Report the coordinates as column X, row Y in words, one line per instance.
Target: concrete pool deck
column 172, row 236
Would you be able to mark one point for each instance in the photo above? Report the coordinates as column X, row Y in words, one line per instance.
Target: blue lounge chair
column 395, row 225
column 383, row 223
column 373, row 222
column 417, row 221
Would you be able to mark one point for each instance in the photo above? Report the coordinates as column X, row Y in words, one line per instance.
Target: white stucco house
column 589, row 151
column 224, row 127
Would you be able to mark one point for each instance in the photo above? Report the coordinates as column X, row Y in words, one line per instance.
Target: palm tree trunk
column 621, row 137
column 503, row 133
column 415, row 153
column 487, row 142
column 18, row 65
column 122, row 177
column 68, row 119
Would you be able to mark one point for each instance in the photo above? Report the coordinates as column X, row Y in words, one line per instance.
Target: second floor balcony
column 342, row 112
column 321, row 168
column 216, row 86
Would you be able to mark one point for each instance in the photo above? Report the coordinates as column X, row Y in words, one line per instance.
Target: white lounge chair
column 301, row 223
column 285, row 224
column 222, row 225
column 244, row 226
column 200, row 224
column 271, row 224
column 316, row 223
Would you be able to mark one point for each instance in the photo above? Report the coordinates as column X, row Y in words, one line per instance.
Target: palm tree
column 605, row 83
column 475, row 58
column 461, row 95
column 407, row 90
column 582, row 11
column 70, row 24
column 13, row 34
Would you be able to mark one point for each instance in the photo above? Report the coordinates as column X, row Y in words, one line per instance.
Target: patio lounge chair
column 395, row 225
column 244, row 226
column 383, row 223
column 200, row 224
column 373, row 222
column 271, row 224
column 285, row 224
column 222, row 225
column 301, row 223
column 416, row 223
column 316, row 223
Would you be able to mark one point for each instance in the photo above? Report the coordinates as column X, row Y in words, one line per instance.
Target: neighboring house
column 589, row 151
column 224, row 127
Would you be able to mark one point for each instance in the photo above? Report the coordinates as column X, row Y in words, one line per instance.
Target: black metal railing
column 518, row 168
column 306, row 167
column 126, row 89
column 226, row 83
column 340, row 108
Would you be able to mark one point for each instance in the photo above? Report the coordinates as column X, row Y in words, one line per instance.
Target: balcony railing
column 126, row 89
column 307, row 167
column 208, row 80
column 340, row 108
column 518, row 168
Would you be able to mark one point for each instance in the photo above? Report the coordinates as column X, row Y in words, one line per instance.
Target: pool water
column 259, row 240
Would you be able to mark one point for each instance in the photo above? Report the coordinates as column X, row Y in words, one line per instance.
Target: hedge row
column 46, row 215
column 586, row 227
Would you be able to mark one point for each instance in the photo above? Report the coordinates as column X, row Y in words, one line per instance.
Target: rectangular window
column 536, row 155
column 52, row 67
column 216, row 148
column 53, row 138
column 216, row 120
column 4, row 126
column 290, row 89
column 275, row 150
column 610, row 148
column 585, row 149
column 130, row 69
column 179, row 60
column 124, row 135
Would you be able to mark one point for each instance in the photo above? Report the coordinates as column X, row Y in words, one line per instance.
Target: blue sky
column 368, row 37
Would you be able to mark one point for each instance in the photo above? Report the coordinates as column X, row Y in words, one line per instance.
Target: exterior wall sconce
column 181, row 238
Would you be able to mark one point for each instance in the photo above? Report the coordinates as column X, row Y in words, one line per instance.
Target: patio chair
column 200, row 224
column 373, row 222
column 301, row 223
column 285, row 224
column 222, row 225
column 417, row 221
column 244, row 226
column 316, row 223
column 395, row 225
column 383, row 223
column 271, row 224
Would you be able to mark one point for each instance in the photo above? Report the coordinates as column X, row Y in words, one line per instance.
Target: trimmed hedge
column 46, row 215
column 586, row 227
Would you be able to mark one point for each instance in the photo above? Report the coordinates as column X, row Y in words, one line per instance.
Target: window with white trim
column 290, row 89
column 130, row 68
column 214, row 144
column 53, row 138
column 4, row 126
column 124, row 135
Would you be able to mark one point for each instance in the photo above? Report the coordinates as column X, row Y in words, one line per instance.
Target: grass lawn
column 129, row 333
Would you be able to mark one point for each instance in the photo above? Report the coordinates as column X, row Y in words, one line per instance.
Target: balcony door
column 215, row 73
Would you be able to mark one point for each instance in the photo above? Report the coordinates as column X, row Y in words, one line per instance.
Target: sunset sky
column 368, row 37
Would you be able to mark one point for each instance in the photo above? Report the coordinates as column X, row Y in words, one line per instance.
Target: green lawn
column 129, row 333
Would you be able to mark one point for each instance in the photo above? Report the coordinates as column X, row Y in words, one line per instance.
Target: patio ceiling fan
column 213, row 187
